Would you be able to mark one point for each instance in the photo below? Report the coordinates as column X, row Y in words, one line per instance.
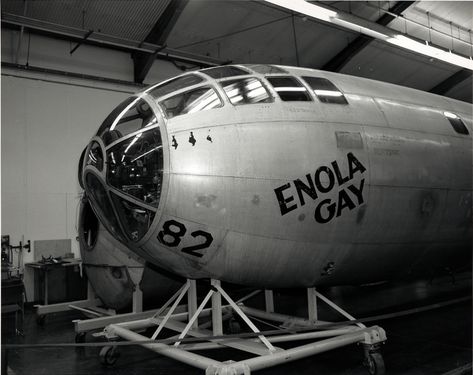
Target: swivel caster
column 234, row 326
column 375, row 363
column 109, row 355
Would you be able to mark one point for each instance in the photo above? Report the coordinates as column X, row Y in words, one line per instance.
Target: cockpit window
column 175, row 84
column 136, row 220
column 267, row 69
column 325, row 90
column 199, row 99
column 135, row 166
column 246, row 91
column 289, row 89
column 224, row 72
column 128, row 117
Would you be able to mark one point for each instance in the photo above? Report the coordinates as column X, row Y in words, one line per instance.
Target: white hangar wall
column 46, row 121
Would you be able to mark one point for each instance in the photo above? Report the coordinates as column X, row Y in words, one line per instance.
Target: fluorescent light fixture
column 358, row 28
column 306, row 8
column 437, row 53
column 373, row 30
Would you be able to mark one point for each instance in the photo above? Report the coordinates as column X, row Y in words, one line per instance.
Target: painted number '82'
column 173, row 232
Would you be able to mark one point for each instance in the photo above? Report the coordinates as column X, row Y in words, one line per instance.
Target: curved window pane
column 289, row 89
column 267, row 69
column 102, row 205
column 95, row 156
column 325, row 90
column 246, row 91
column 175, row 84
column 135, row 166
column 192, row 101
column 128, row 117
column 136, row 220
column 224, row 71
column 113, row 115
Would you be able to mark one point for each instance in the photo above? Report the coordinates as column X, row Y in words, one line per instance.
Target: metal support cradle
column 325, row 335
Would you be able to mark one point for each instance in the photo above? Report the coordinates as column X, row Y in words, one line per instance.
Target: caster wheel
column 109, row 355
column 80, row 338
column 375, row 364
column 234, row 326
column 40, row 320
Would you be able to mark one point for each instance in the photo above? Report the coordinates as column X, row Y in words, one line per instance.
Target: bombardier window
column 246, row 91
column 135, row 219
column 192, row 101
column 325, row 90
column 456, row 123
column 175, row 84
column 135, row 166
column 289, row 89
column 130, row 116
column 224, row 72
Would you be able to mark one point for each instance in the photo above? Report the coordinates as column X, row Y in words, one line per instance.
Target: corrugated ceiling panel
column 249, row 32
column 391, row 64
column 122, row 18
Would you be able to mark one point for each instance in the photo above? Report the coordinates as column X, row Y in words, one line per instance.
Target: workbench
column 58, row 282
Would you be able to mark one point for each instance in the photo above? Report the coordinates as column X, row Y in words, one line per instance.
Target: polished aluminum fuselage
column 388, row 186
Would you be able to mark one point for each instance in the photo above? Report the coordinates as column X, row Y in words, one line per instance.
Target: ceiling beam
column 158, row 35
column 105, row 40
column 361, row 41
column 450, row 82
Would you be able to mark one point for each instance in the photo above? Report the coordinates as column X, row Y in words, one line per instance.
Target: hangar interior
column 66, row 64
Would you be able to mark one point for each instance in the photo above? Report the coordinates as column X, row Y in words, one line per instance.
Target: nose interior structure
column 123, row 170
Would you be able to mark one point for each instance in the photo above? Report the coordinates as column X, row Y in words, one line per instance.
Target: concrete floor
column 432, row 342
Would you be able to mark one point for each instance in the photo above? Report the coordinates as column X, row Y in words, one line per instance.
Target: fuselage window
column 175, row 84
column 199, row 99
column 246, row 91
column 224, row 72
column 289, row 89
column 325, row 90
column 456, row 123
